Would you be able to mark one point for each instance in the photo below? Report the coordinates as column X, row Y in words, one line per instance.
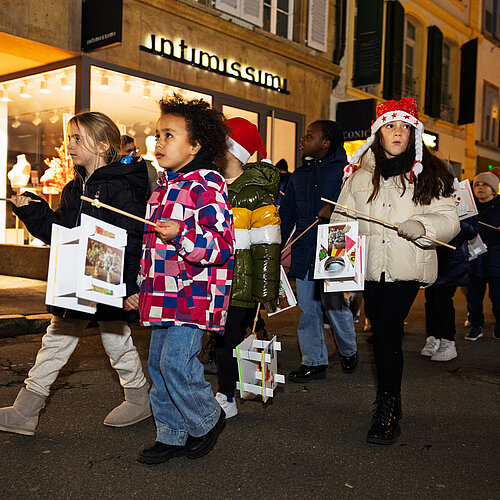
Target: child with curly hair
column 186, row 275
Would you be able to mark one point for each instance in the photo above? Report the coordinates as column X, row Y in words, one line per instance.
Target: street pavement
column 306, row 442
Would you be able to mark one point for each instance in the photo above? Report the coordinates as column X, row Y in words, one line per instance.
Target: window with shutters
column 248, row 10
column 491, row 17
column 447, row 108
column 278, row 17
column 490, row 115
column 409, row 61
column 317, row 24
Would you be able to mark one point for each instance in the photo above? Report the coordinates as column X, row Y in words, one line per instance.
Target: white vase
column 19, row 175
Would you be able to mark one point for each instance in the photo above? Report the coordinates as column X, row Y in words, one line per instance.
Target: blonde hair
column 99, row 128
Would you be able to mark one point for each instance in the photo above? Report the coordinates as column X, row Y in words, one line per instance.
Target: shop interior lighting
column 131, row 132
column 147, row 130
column 127, row 87
column 37, row 120
column 16, row 123
column 4, row 97
column 23, row 91
column 43, row 87
column 146, row 92
column 104, row 85
column 65, row 85
column 54, row 118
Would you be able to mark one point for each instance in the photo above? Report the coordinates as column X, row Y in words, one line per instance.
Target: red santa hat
column 244, row 140
column 404, row 110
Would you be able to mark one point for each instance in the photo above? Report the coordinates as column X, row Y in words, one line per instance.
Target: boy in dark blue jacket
column 319, row 176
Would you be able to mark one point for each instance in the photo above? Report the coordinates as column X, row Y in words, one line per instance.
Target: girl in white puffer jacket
column 401, row 182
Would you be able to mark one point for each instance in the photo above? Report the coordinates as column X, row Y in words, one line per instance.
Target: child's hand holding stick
column 384, row 222
column 98, row 204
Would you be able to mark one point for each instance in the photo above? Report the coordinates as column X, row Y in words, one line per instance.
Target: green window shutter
column 433, row 72
column 368, row 42
column 468, row 68
column 393, row 53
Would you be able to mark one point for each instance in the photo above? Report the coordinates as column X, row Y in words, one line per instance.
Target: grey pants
column 61, row 340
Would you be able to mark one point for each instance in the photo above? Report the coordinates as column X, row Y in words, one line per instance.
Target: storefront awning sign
column 183, row 53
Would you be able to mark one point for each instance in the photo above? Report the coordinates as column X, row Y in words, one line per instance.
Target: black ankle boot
column 385, row 424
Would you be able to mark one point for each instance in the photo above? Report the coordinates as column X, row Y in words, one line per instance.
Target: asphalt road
column 307, row 442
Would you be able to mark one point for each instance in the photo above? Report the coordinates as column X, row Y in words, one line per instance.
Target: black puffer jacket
column 119, row 185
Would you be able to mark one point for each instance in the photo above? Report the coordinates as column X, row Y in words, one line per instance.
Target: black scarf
column 396, row 165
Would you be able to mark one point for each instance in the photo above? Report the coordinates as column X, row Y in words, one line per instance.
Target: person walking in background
column 401, row 182
column 453, row 271
column 94, row 145
column 186, row 274
column 285, row 175
column 252, row 189
column 485, row 270
column 320, row 176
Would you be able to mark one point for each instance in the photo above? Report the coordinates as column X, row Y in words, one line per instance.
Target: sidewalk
column 22, row 306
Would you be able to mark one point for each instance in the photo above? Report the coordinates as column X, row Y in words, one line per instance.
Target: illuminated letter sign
column 209, row 62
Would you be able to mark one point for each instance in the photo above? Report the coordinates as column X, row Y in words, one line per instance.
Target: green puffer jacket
column 252, row 197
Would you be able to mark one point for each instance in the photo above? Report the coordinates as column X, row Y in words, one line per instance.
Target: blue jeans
column 181, row 398
column 312, row 302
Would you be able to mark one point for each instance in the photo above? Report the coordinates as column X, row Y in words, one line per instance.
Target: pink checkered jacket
column 188, row 281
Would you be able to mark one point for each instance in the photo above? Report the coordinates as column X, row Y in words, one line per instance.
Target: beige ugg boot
column 135, row 408
column 22, row 417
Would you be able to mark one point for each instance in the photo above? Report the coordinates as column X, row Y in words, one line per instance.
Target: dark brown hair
column 433, row 182
column 204, row 124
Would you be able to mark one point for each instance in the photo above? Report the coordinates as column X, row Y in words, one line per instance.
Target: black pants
column 475, row 298
column 237, row 321
column 440, row 312
column 388, row 305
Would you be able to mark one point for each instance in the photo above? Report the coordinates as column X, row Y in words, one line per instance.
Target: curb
column 14, row 325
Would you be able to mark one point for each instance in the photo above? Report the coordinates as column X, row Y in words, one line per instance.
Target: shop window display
column 33, row 111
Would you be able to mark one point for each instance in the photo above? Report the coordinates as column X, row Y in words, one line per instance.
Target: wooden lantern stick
column 489, row 225
column 256, row 319
column 8, row 199
column 299, row 236
column 99, row 204
column 384, row 222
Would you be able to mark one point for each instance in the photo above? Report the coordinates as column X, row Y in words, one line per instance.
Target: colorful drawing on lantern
column 103, row 262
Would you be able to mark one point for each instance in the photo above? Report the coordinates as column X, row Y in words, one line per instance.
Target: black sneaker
column 476, row 332
column 160, row 453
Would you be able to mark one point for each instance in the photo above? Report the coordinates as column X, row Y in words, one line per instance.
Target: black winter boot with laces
column 385, row 424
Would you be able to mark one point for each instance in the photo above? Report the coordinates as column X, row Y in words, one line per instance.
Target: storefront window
column 132, row 102
column 33, row 114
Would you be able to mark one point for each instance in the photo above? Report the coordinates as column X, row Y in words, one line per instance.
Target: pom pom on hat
column 404, row 110
column 244, row 140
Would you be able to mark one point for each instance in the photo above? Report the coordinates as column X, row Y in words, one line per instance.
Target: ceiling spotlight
column 23, row 91
column 146, row 92
column 4, row 97
column 43, row 87
column 54, row 118
column 65, row 85
column 131, row 132
column 37, row 120
column 16, row 123
column 147, row 130
column 127, row 87
column 104, row 85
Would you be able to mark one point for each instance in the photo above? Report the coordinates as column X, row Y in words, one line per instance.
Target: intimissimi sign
column 185, row 54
